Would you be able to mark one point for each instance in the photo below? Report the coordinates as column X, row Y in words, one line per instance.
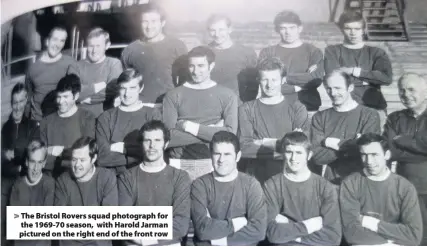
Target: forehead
column 65, row 93
column 223, row 147
column 81, row 152
column 219, row 23
column 287, row 25
column 59, row 34
column 270, row 73
column 39, row 154
column 294, row 148
column 96, row 39
column 132, row 83
column 373, row 147
column 336, row 81
column 152, row 15
column 355, row 24
column 198, row 60
column 19, row 96
column 411, row 82
column 154, row 134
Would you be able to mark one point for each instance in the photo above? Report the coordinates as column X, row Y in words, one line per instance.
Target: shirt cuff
column 221, row 241
column 192, row 128
column 175, row 163
column 357, row 71
column 99, row 86
column 371, row 223
column 149, row 241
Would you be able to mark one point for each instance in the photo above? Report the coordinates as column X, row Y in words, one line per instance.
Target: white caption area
column 90, row 222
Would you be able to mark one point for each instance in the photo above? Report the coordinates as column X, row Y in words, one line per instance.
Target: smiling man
column 85, row 184
column 406, row 132
column 264, row 121
column 35, row 188
column 378, row 206
column 96, row 71
column 117, row 129
column 302, row 207
column 234, row 63
column 43, row 75
column 227, row 207
column 369, row 67
column 155, row 183
column 335, row 130
column 61, row 129
column 303, row 62
column 195, row 111
column 155, row 55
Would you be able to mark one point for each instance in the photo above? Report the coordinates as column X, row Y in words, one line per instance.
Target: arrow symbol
column 15, row 216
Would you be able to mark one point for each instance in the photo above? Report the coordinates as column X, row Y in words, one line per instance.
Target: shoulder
column 48, row 180
column 170, row 39
column 174, row 93
column 64, row 178
column 403, row 185
column 394, row 116
column 333, row 48
column 224, row 91
column 243, row 49
column 178, row 174
column 112, row 61
column 203, row 181
column 311, row 47
column 295, row 105
column 273, row 182
column 86, row 114
column 375, row 50
column 107, row 114
column 50, row 118
column 353, row 179
column 248, row 105
column 321, row 114
column 372, row 113
column 323, row 184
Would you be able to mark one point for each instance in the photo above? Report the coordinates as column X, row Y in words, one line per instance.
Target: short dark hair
column 152, row 7
column 69, row 83
column 225, row 137
column 34, row 145
column 271, row 63
column 218, row 17
column 56, row 28
column 351, row 16
column 347, row 78
column 286, row 16
column 202, row 51
column 154, row 125
column 128, row 75
column 295, row 138
column 18, row 88
column 369, row 138
column 86, row 141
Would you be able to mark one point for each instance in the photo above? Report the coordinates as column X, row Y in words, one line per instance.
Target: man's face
column 296, row 158
column 153, row 144
column 224, row 158
column 19, row 100
column 412, row 93
column 289, row 32
column 35, row 163
column 337, row 90
column 271, row 82
column 66, row 101
column 200, row 69
column 353, row 32
column 129, row 92
column 152, row 25
column 374, row 158
column 96, row 47
column 220, row 32
column 81, row 163
column 55, row 43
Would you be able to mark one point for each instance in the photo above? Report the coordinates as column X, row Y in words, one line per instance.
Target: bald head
column 413, row 91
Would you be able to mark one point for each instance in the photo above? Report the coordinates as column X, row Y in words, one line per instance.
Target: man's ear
column 107, row 45
column 94, row 159
column 387, row 155
column 211, row 66
column 163, row 23
column 351, row 88
column 166, row 145
column 310, row 154
column 238, row 156
column 76, row 96
column 140, row 90
column 300, row 28
column 284, row 80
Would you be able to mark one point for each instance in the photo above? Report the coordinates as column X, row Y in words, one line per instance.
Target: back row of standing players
column 204, row 101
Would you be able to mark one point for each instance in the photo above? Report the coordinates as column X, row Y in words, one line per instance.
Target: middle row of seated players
column 227, row 207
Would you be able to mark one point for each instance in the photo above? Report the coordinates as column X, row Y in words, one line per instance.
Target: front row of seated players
column 230, row 208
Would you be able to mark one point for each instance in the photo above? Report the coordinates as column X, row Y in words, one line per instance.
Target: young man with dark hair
column 61, row 129
column 85, row 184
column 96, row 71
column 117, row 129
column 155, row 183
column 195, row 111
column 264, row 121
column 16, row 133
column 234, row 63
column 227, row 207
column 43, row 75
column 378, row 206
column 406, row 133
column 334, row 130
column 369, row 67
column 35, row 188
column 302, row 206
column 154, row 55
column 303, row 61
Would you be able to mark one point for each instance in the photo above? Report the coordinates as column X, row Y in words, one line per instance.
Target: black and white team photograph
column 259, row 122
